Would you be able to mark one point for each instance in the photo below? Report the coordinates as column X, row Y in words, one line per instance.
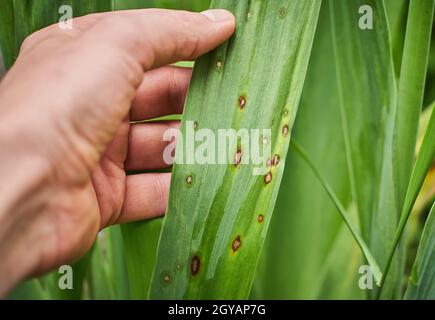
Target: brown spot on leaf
column 189, row 179
column 167, row 278
column 237, row 157
column 268, row 177
column 260, row 218
column 282, row 12
column 242, row 102
column 195, row 265
column 285, row 130
column 275, row 160
column 236, row 244
column 219, row 64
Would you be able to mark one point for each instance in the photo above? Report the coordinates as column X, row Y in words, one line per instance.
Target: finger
column 146, row 196
column 147, row 144
column 159, row 37
column 161, row 93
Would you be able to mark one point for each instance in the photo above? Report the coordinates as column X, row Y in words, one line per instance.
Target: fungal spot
column 236, row 244
column 249, row 15
column 167, row 278
column 195, row 124
column 269, row 162
column 237, row 157
column 194, row 266
column 219, row 64
column 242, row 102
column 189, row 179
column 282, row 12
column 260, row 218
column 265, row 140
column 178, row 266
column 275, row 160
column 285, row 130
column 285, row 113
column 268, row 177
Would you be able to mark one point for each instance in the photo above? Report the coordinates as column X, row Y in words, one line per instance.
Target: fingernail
column 218, row 15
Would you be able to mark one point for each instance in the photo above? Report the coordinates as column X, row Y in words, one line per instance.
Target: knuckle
column 159, row 194
column 174, row 89
column 190, row 44
column 28, row 42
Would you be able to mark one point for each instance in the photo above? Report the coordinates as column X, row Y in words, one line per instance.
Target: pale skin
column 65, row 135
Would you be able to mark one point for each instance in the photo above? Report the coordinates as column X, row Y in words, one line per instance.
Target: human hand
column 65, row 132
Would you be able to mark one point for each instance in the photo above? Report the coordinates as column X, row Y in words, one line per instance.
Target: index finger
column 156, row 37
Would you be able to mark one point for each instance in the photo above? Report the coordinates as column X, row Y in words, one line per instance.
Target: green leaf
column 422, row 165
column 140, row 245
column 80, row 273
column 367, row 90
column 344, row 215
column 397, row 11
column 7, row 35
column 218, row 215
column 307, row 245
column 29, row 290
column 108, row 278
column 411, row 90
column 421, row 284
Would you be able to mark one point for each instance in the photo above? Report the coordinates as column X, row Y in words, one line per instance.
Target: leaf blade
column 208, row 267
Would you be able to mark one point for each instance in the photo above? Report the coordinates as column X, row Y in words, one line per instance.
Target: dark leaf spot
column 236, row 244
column 189, row 179
column 237, row 157
column 285, row 130
column 275, row 160
column 268, row 177
column 242, row 102
column 195, row 265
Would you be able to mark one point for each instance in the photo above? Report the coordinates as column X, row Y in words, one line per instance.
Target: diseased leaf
column 307, row 245
column 218, row 215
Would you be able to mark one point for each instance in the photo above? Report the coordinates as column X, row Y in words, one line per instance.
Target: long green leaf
column 424, row 160
column 367, row 90
column 411, row 90
column 307, row 245
column 421, row 284
column 396, row 12
column 218, row 215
